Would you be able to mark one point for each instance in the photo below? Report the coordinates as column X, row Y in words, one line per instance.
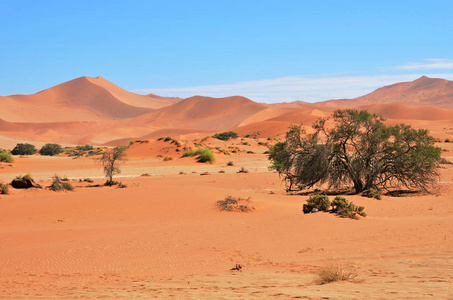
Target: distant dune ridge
column 96, row 111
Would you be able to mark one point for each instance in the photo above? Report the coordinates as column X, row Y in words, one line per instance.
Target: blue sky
column 269, row 51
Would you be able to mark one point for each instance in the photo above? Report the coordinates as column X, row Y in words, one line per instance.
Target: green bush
column 59, row 185
column 84, row 147
column 50, row 149
column 347, row 209
column 204, row 155
column 372, row 193
column 318, row 202
column 225, row 136
column 5, row 157
column 4, row 189
column 230, row 163
column 447, row 140
column 24, row 149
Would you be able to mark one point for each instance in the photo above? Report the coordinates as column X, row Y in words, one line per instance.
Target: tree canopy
column 356, row 148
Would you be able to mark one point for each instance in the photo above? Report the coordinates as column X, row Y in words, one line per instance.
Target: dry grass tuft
column 333, row 273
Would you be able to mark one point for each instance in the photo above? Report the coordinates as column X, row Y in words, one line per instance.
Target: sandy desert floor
column 163, row 237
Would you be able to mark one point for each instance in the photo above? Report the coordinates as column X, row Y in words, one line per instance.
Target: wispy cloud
column 285, row 89
column 429, row 64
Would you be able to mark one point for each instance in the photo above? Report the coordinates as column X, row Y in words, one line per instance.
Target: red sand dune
column 59, row 114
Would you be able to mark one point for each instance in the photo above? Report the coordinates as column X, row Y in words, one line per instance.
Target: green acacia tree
column 356, row 148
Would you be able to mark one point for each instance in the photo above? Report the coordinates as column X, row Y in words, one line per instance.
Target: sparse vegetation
column 23, row 182
column 59, row 185
column 5, row 156
column 230, row 163
column 347, row 209
column 84, row 147
column 340, row 206
column 110, row 160
column 447, row 140
column 24, row 149
column 246, row 143
column 167, row 158
column 51, row 149
column 333, row 273
column 234, row 204
column 204, row 155
column 372, row 193
column 225, row 136
column 445, row 161
column 316, row 203
column 243, row 170
column 4, row 189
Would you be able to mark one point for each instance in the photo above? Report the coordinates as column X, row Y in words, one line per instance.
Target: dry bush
column 59, row 185
column 231, row 203
column 333, row 273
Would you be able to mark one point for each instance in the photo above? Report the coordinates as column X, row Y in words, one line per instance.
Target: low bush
column 5, row 157
column 111, row 182
column 121, row 185
column 204, row 155
column 347, row 209
column 88, row 180
column 24, row 149
column 372, row 193
column 84, row 147
column 316, row 202
column 4, row 189
column 225, row 136
column 243, row 170
column 51, row 149
column 231, row 203
column 59, row 185
column 333, row 273
column 167, row 158
column 442, row 160
column 230, row 163
column 447, row 140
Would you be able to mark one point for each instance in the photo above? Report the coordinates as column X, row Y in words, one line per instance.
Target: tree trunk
column 358, row 186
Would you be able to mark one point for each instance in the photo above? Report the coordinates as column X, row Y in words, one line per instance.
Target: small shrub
column 247, row 135
column 5, row 157
column 347, row 209
column 111, row 182
column 230, row 163
column 59, row 185
column 246, row 144
column 50, row 149
column 85, row 147
column 447, row 140
column 250, row 152
column 231, row 203
column 204, row 155
column 121, row 185
column 65, row 179
column 225, row 136
column 167, row 158
column 243, row 170
column 316, row 202
column 4, row 189
column 443, row 161
column 333, row 273
column 168, row 138
column 222, row 171
column 88, row 180
column 372, row 193
column 24, row 149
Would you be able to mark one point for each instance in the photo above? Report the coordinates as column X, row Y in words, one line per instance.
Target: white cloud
column 286, row 89
column 429, row 64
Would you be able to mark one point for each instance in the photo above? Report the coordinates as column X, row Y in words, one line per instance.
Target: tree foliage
column 51, row 149
column 24, row 149
column 356, row 148
column 225, row 136
column 110, row 161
